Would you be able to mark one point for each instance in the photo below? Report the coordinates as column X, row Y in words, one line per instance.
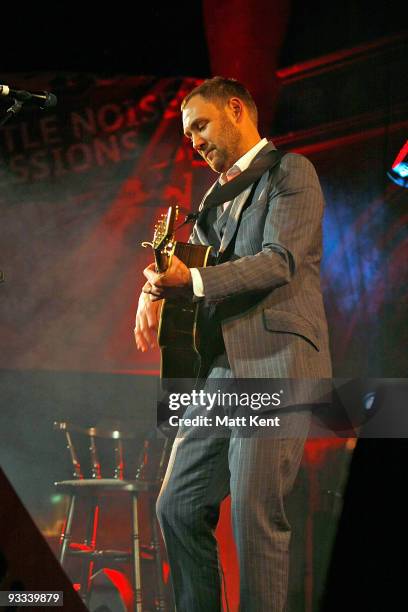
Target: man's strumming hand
column 147, row 320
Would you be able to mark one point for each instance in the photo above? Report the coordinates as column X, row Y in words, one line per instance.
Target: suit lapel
column 238, row 203
column 201, row 232
column 233, row 217
column 235, row 209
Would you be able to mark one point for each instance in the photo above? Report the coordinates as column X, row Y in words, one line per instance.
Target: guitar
column 181, row 347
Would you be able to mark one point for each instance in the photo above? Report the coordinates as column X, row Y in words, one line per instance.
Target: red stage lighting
column 110, row 592
column 399, row 170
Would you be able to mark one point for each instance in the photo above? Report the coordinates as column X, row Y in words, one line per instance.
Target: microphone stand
column 11, row 112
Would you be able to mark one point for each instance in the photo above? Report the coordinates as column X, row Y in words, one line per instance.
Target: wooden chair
column 94, row 489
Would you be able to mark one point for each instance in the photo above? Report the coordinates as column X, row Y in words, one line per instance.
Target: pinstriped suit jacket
column 273, row 319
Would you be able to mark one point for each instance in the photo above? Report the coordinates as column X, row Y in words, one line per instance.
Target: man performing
column 267, row 293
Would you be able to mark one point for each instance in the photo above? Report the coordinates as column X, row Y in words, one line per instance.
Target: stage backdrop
column 81, row 187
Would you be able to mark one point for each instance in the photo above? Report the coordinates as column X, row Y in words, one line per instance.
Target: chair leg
column 158, row 560
column 91, row 530
column 137, row 581
column 66, row 534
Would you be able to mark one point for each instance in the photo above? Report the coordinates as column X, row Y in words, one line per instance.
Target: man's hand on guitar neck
column 147, row 320
column 176, row 281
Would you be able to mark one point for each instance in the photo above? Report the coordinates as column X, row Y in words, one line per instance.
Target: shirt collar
column 243, row 162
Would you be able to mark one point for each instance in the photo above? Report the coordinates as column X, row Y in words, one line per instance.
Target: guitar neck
column 192, row 255
column 161, row 261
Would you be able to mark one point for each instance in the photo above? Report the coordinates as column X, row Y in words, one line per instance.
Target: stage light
column 368, row 400
column 56, row 498
column 399, row 170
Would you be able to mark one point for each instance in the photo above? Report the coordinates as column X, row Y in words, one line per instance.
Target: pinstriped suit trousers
column 258, row 472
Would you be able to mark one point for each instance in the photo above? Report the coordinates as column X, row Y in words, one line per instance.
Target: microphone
column 42, row 98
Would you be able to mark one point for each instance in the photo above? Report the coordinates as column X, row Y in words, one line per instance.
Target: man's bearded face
column 213, row 134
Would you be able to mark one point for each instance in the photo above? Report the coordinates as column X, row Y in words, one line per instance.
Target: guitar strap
column 229, row 191
column 275, row 161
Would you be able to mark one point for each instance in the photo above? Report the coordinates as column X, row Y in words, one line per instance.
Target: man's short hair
column 219, row 90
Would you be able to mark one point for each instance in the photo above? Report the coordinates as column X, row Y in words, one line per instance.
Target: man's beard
column 228, row 151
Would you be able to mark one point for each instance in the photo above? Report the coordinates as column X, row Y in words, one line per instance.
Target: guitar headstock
column 163, row 238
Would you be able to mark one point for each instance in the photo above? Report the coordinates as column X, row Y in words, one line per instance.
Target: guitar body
column 178, row 334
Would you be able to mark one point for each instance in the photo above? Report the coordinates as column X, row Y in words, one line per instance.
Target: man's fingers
column 152, row 276
column 152, row 290
column 152, row 313
column 147, row 319
column 149, row 274
column 140, row 341
column 142, row 333
column 156, row 291
column 143, row 338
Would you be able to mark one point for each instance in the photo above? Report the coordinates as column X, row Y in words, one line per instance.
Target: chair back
column 113, row 451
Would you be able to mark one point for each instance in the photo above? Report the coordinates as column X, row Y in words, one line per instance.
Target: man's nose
column 198, row 143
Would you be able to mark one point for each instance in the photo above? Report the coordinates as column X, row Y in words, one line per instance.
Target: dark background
column 169, row 39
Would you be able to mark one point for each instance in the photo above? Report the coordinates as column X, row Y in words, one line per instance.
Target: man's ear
column 236, row 109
